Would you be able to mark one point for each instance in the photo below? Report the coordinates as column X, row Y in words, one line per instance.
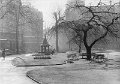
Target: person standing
column 3, row 54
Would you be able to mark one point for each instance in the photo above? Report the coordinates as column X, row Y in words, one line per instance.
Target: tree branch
column 6, row 4
column 105, row 34
column 4, row 15
column 85, row 39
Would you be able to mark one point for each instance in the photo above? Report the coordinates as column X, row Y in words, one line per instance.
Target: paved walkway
column 13, row 75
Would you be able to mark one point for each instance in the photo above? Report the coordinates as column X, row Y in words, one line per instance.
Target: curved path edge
column 27, row 74
column 39, row 65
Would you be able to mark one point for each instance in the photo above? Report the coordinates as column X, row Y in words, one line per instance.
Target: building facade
column 30, row 31
column 32, row 34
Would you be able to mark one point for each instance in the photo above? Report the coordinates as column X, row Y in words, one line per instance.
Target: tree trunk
column 79, row 48
column 17, row 28
column 88, row 50
column 57, row 38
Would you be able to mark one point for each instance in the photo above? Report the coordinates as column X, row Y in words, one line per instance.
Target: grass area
column 80, row 72
column 75, row 74
column 30, row 61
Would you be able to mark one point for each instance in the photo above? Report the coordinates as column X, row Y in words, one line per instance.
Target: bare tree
column 97, row 23
column 12, row 7
column 20, row 15
column 58, row 19
column 76, row 39
column 3, row 6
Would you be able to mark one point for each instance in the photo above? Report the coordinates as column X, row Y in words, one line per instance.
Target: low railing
column 18, row 61
column 95, row 57
column 84, row 55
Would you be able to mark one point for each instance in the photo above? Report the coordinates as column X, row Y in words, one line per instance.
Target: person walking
column 3, row 54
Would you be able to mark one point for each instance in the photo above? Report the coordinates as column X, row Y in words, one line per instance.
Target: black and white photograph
column 59, row 41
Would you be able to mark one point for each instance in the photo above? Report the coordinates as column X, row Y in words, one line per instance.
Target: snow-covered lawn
column 29, row 60
column 75, row 74
column 80, row 72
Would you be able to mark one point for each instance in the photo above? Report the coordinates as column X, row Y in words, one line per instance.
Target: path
column 13, row 75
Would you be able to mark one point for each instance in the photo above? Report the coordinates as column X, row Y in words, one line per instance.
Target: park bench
column 84, row 55
column 99, row 58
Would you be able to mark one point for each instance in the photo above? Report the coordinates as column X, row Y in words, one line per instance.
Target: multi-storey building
column 33, row 32
column 30, row 31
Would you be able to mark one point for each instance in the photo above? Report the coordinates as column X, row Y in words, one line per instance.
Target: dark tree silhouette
column 96, row 23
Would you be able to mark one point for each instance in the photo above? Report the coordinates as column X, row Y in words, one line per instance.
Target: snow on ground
column 10, row 74
column 62, row 76
column 59, row 58
column 29, row 60
column 80, row 72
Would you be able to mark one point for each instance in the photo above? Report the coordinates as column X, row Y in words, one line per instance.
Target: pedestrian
column 3, row 54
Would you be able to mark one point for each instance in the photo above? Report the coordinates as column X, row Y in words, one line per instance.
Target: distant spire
column 45, row 42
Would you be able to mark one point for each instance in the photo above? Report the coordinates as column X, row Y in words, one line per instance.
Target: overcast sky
column 49, row 6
